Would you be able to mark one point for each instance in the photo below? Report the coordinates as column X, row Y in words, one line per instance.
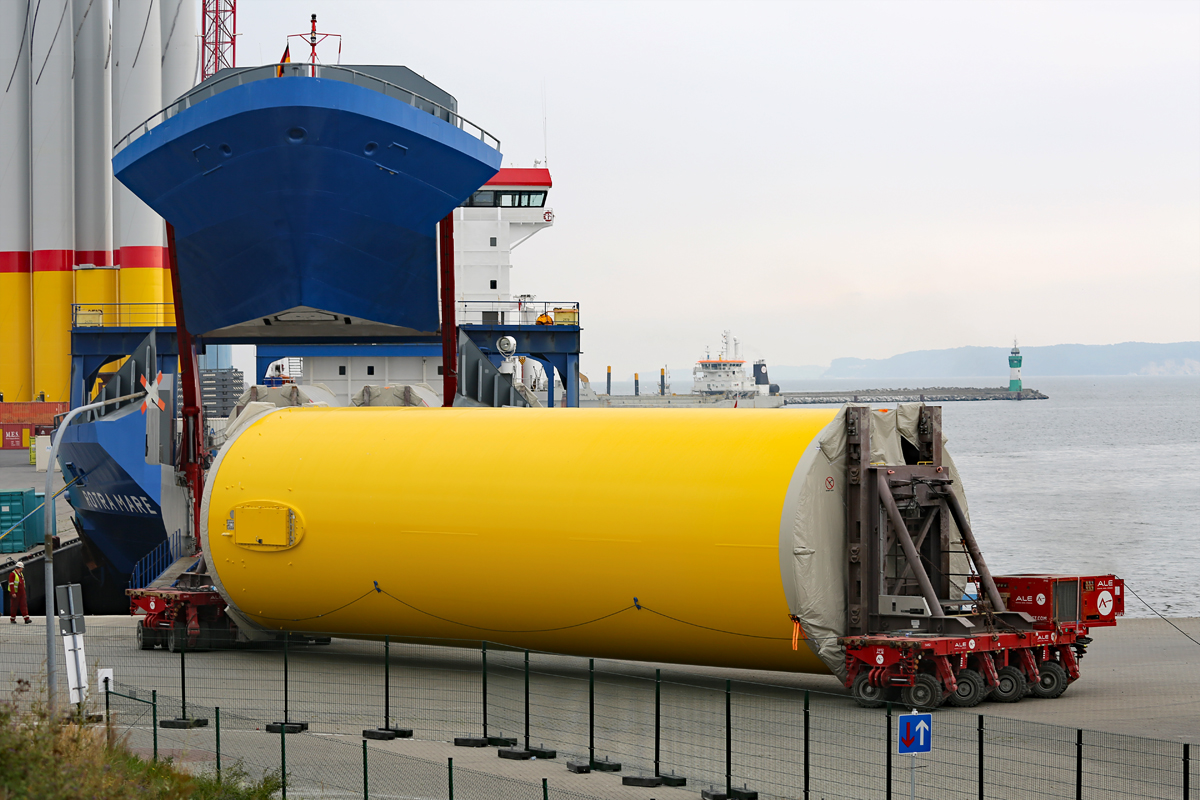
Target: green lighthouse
column 1014, row 368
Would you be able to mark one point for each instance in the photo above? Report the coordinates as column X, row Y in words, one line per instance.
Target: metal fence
column 725, row 737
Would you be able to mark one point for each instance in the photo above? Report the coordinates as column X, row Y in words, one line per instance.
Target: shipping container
column 24, row 533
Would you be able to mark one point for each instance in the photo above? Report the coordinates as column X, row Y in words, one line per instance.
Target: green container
column 13, row 508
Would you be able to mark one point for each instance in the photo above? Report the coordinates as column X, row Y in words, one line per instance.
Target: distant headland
column 1127, row 358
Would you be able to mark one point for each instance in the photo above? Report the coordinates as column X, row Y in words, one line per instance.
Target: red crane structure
column 218, row 43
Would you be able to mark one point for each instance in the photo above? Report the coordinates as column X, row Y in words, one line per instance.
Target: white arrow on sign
column 922, row 727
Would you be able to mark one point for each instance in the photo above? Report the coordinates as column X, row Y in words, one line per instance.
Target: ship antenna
column 545, row 146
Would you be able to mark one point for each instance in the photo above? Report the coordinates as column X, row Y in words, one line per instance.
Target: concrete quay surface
column 1139, row 680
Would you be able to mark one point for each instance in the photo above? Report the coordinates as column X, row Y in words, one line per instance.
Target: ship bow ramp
column 308, row 195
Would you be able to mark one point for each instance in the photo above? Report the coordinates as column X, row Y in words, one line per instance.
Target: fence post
column 484, row 653
column 806, row 744
column 526, row 699
column 366, row 786
column 728, row 741
column 981, row 797
column 1187, row 770
column 283, row 747
column 108, row 719
column 1079, row 764
column 591, row 711
column 217, row 711
column 387, row 680
column 285, row 681
column 657, row 719
column 182, row 671
column 450, row 770
column 154, row 719
column 888, row 747
column 545, row 789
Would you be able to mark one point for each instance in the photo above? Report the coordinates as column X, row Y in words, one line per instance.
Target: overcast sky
column 826, row 179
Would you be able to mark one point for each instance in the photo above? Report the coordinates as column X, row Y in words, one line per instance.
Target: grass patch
column 61, row 760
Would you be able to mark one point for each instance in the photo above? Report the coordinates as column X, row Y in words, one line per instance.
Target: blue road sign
column 915, row 733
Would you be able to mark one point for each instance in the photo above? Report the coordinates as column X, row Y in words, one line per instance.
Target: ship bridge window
column 493, row 199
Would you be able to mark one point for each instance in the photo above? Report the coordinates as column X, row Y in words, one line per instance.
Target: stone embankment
column 937, row 394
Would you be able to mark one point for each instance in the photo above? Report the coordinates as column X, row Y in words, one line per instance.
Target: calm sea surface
column 1102, row 477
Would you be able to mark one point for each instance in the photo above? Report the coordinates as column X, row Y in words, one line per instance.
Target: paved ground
column 1139, row 680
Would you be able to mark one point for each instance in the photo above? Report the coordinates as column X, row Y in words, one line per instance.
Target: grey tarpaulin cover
column 812, row 531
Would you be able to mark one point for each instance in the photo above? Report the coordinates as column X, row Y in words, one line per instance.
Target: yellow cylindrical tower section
column 373, row 521
column 16, row 365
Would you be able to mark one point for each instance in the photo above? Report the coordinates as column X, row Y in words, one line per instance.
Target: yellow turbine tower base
column 53, row 293
column 402, row 521
column 16, row 353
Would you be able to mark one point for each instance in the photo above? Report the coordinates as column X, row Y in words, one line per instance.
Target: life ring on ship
column 548, row 216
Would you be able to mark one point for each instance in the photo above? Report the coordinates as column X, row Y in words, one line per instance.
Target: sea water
column 1104, row 477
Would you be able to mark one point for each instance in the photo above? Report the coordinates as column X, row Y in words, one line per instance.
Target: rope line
column 1155, row 610
column 318, row 616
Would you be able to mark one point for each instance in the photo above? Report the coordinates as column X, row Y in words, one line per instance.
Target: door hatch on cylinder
column 264, row 526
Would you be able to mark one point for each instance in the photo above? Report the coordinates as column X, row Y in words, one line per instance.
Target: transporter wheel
column 146, row 639
column 175, row 638
column 866, row 695
column 1053, row 681
column 926, row 692
column 1012, row 685
column 971, row 689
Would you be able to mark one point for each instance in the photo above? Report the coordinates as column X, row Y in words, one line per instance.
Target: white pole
column 48, row 514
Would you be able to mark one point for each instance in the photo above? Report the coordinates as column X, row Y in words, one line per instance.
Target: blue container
column 14, row 506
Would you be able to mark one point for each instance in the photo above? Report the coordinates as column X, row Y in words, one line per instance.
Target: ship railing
column 122, row 315
column 517, row 312
column 330, row 71
column 156, row 562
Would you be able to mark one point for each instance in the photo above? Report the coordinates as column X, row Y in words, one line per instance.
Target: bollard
column 657, row 720
column 981, row 797
column 366, row 789
column 806, row 748
column 217, row 714
column 728, row 741
column 450, row 770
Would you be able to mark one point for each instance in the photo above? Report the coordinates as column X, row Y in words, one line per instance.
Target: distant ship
column 725, row 374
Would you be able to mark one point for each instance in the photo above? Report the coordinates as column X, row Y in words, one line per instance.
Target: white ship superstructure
column 724, row 374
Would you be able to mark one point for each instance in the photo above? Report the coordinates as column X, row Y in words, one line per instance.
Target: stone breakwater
column 937, row 394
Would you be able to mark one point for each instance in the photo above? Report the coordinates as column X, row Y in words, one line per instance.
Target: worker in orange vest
column 16, row 594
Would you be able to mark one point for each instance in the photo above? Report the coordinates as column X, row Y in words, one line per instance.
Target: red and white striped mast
column 218, row 48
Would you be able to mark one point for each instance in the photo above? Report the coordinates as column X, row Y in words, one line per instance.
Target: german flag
column 287, row 59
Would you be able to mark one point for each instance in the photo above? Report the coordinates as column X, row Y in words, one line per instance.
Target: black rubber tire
column 866, row 695
column 175, row 638
column 1013, row 685
column 925, row 693
column 1053, row 681
column 971, row 689
column 146, row 639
